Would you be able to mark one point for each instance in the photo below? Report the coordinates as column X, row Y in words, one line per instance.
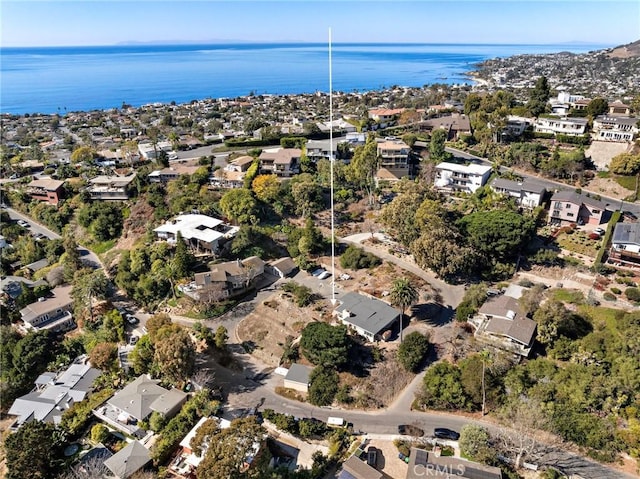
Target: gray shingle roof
column 298, row 373
column 423, row 464
column 168, row 401
column 128, row 460
column 136, row 398
column 372, row 315
column 627, row 233
column 578, row 199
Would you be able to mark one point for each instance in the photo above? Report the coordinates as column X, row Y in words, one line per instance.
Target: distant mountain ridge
column 630, row 50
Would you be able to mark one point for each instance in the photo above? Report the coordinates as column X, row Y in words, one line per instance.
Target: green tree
column 155, row 323
column 157, row 421
column 325, row 345
column 175, row 356
column 437, row 152
column 364, row 166
column 550, row 316
column 442, row 388
column 90, row 284
column 266, row 188
column 475, row 443
column 104, row 355
column 413, row 350
column 323, row 386
column 83, row 154
column 597, row 106
column 625, row 164
column 306, row 195
column 99, row 433
column 221, row 338
column 440, row 251
column 182, row 260
column 403, row 295
column 539, row 96
column 142, row 355
column 239, row 205
column 33, row 451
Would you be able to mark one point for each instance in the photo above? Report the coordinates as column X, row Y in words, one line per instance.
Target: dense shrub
column 609, row 296
column 78, row 415
column 356, row 258
column 323, row 386
column 632, row 294
column 412, row 351
column 302, row 295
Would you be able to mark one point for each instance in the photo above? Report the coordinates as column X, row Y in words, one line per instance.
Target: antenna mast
column 331, row 160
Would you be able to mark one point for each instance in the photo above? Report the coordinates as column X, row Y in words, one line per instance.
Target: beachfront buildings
column 453, row 177
column 394, row 159
column 51, row 313
column 110, row 187
column 200, row 232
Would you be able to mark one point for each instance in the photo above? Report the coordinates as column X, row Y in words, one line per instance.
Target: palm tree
column 403, row 295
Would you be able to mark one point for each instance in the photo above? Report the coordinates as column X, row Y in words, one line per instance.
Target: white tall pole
column 331, row 160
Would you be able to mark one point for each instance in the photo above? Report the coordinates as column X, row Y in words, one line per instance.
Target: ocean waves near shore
column 61, row 79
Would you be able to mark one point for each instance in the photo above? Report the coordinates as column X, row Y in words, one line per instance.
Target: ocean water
column 65, row 79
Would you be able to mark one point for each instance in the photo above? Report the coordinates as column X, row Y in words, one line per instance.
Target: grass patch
column 102, row 247
column 603, row 174
column 568, row 296
column 290, row 394
column 627, row 182
column 602, row 315
column 578, row 242
column 212, row 311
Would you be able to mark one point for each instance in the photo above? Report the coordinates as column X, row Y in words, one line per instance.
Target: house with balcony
column 385, row 116
column 625, row 245
column 516, row 126
column 200, row 232
column 615, row 128
column 114, row 188
column 51, row 313
column 149, row 152
column 500, row 322
column 232, row 175
column 225, row 280
column 455, row 124
column 283, row 162
column 321, row 150
column 48, row 190
column 54, row 393
column 561, row 126
column 172, row 173
column 527, row 193
column 570, row 207
column 453, row 177
column 394, row 159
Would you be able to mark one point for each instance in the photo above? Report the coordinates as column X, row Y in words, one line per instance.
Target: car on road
column 410, row 430
column 131, row 319
column 318, row 272
column 324, row 275
column 444, row 433
column 599, row 231
column 133, row 340
column 23, row 223
column 39, row 236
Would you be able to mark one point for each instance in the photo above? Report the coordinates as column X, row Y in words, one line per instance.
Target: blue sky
column 90, row 22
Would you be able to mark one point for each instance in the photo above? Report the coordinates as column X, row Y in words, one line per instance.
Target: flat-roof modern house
column 563, row 126
column 427, row 464
column 283, row 162
column 135, row 403
column 571, row 207
column 48, row 190
column 369, row 317
column 615, row 128
column 54, row 393
column 298, row 377
column 527, row 193
column 114, row 188
column 200, row 232
column 129, row 460
column 502, row 323
column 51, row 313
column 625, row 245
column 394, row 159
column 453, row 178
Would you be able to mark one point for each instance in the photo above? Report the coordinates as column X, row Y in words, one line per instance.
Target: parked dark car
column 372, row 456
column 444, row 433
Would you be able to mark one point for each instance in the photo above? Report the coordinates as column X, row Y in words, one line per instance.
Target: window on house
column 595, row 212
column 568, row 205
column 570, row 215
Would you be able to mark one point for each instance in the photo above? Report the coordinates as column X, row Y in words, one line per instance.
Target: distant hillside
column 631, row 50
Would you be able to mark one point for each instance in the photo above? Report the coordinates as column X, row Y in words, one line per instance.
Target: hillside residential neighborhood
column 432, row 281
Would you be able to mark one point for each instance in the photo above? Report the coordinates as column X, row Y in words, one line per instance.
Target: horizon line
column 292, row 42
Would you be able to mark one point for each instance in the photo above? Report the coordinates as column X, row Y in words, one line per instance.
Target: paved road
column 88, row 257
column 552, row 185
